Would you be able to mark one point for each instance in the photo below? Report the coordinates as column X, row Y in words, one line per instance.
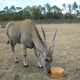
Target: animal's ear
column 38, row 50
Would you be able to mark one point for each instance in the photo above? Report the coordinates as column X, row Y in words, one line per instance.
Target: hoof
column 40, row 66
column 25, row 65
column 16, row 61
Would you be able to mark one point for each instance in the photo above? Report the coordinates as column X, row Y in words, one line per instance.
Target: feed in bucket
column 57, row 72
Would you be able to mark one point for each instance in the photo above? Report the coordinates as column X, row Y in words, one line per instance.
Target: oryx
column 26, row 33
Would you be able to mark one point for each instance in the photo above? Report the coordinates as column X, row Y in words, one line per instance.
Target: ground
column 66, row 55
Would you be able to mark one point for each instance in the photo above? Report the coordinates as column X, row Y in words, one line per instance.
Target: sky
column 24, row 3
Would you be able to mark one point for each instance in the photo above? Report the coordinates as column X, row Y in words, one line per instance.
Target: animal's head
column 47, row 58
column 3, row 25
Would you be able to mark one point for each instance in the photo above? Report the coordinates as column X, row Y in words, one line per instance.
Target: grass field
column 66, row 55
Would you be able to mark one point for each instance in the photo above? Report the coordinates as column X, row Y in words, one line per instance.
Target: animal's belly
column 15, row 37
column 16, row 40
column 30, row 45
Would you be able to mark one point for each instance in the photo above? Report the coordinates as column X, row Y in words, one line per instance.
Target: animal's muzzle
column 49, row 72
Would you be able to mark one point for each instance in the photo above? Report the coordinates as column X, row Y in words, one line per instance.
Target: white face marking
column 39, row 64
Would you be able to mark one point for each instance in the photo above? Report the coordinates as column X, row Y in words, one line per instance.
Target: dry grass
column 66, row 55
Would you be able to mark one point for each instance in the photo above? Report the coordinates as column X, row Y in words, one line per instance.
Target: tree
column 64, row 8
column 6, row 9
column 19, row 8
column 35, row 12
column 26, row 14
column 56, row 12
column 56, row 9
column 48, row 10
column 75, row 6
column 79, row 8
column 57, row 15
column 2, row 15
column 69, row 8
column 40, row 11
column 12, row 9
column 78, row 13
column 28, row 8
column 43, row 10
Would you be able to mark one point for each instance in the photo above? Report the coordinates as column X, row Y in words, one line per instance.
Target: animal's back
column 15, row 29
column 20, row 24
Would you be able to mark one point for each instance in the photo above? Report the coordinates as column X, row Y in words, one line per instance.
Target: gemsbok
column 26, row 33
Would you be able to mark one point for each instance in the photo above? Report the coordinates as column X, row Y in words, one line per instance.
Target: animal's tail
column 8, row 42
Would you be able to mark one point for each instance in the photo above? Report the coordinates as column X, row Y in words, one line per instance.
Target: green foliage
column 57, row 15
column 41, row 12
column 35, row 12
column 26, row 14
column 69, row 16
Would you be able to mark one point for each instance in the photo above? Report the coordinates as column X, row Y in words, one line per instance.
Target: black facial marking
column 46, row 59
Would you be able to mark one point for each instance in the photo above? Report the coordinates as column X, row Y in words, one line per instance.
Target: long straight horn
column 44, row 38
column 53, row 41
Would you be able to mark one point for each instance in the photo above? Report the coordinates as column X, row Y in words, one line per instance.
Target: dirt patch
column 66, row 55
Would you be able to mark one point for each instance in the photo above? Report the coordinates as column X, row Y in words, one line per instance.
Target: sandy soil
column 66, row 55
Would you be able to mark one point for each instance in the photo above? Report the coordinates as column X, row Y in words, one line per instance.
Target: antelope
column 3, row 25
column 25, row 33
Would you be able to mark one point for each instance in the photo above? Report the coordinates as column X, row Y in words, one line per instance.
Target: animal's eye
column 46, row 59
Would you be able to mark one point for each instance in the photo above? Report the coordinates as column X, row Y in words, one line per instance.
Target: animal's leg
column 13, row 51
column 38, row 59
column 24, row 55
